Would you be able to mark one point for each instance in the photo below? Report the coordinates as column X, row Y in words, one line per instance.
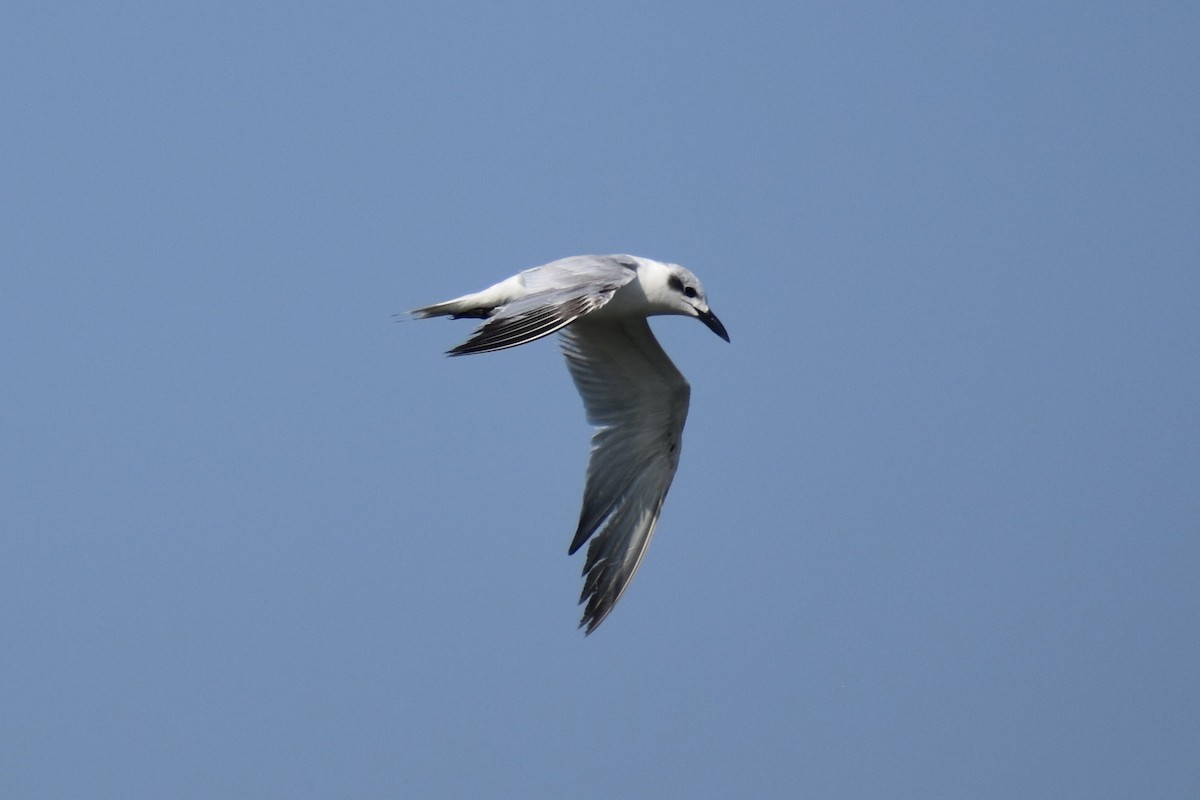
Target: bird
column 637, row 399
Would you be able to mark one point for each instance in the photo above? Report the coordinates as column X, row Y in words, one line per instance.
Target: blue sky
column 936, row 530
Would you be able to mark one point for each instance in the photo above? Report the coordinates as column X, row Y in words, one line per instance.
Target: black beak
column 714, row 324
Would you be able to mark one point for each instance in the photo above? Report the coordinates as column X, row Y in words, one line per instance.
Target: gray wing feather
column 639, row 400
column 557, row 294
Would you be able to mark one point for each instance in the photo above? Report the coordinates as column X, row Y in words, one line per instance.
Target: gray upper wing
column 556, row 295
column 639, row 401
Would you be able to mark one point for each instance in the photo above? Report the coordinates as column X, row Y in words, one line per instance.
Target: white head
column 675, row 290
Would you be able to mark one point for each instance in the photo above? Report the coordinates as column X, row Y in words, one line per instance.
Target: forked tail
column 479, row 305
column 455, row 309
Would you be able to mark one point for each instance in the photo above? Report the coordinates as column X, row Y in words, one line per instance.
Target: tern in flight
column 631, row 391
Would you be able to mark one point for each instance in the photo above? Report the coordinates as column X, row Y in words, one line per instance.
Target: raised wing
column 555, row 295
column 639, row 401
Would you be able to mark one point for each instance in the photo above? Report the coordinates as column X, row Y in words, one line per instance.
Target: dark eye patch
column 675, row 283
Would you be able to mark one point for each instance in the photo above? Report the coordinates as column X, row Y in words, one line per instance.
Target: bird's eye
column 688, row 291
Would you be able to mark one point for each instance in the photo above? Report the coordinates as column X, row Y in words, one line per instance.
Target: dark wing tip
column 502, row 332
column 594, row 614
column 601, row 588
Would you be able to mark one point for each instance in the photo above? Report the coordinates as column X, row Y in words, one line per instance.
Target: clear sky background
column 936, row 530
